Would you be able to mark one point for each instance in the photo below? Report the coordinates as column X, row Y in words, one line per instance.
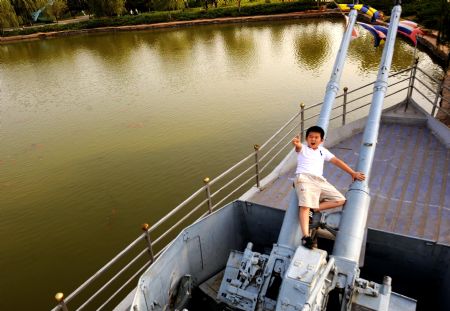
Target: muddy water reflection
column 101, row 133
column 313, row 44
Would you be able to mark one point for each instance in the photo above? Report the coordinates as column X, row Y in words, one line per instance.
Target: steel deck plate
column 409, row 185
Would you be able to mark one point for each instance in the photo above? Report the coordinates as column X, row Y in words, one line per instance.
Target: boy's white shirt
column 310, row 161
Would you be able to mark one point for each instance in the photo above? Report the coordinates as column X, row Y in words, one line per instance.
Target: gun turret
column 306, row 276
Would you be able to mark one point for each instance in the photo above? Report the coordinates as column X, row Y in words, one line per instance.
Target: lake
column 101, row 133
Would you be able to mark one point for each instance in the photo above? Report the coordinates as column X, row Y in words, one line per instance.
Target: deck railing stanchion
column 145, row 228
column 344, row 105
column 436, row 99
column 208, row 193
column 256, row 147
column 411, row 83
column 60, row 299
column 302, row 122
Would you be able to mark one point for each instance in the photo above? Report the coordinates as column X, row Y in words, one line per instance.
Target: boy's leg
column 330, row 197
column 304, row 226
column 330, row 204
column 304, row 220
column 308, row 194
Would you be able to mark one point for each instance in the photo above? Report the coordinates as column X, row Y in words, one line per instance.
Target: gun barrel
column 289, row 233
column 333, row 83
column 354, row 218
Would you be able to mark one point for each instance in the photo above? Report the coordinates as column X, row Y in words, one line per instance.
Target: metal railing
column 132, row 261
column 435, row 87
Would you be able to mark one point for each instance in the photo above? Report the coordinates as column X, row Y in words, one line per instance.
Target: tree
column 116, row 7
column 76, row 6
column 23, row 9
column 140, row 5
column 106, row 7
column 161, row 5
column 442, row 12
column 8, row 17
column 172, row 5
column 58, row 8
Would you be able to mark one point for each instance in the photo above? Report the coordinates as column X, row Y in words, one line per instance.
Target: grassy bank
column 180, row 15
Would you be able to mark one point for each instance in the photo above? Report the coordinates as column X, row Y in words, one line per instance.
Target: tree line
column 14, row 13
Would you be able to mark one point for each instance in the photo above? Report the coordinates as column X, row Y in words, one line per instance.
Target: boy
column 314, row 191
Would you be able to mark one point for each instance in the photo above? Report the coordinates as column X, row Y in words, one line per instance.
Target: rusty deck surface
column 409, row 185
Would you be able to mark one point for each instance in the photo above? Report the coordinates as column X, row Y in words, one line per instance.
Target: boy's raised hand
column 358, row 176
column 296, row 142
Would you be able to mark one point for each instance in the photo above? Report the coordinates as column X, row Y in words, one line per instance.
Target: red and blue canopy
column 406, row 28
column 378, row 35
column 363, row 8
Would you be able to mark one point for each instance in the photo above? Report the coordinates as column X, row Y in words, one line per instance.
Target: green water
column 101, row 133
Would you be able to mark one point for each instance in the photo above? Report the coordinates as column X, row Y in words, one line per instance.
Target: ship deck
column 409, row 183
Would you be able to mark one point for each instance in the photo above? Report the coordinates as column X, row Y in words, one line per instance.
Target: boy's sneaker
column 307, row 242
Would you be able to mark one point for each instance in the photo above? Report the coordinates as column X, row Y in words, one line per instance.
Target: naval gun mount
column 297, row 278
column 293, row 277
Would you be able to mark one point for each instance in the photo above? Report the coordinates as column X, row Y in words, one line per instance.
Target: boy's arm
column 297, row 144
column 343, row 166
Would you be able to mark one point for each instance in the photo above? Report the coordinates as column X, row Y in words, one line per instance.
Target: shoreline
column 174, row 24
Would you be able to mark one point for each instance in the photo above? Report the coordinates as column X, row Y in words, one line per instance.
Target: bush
column 195, row 3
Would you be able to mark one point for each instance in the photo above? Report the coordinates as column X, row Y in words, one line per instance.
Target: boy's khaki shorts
column 311, row 190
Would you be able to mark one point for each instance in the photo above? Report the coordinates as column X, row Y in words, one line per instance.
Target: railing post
column 302, row 122
column 146, row 229
column 208, row 193
column 344, row 105
column 256, row 147
column 60, row 299
column 411, row 83
column 438, row 94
